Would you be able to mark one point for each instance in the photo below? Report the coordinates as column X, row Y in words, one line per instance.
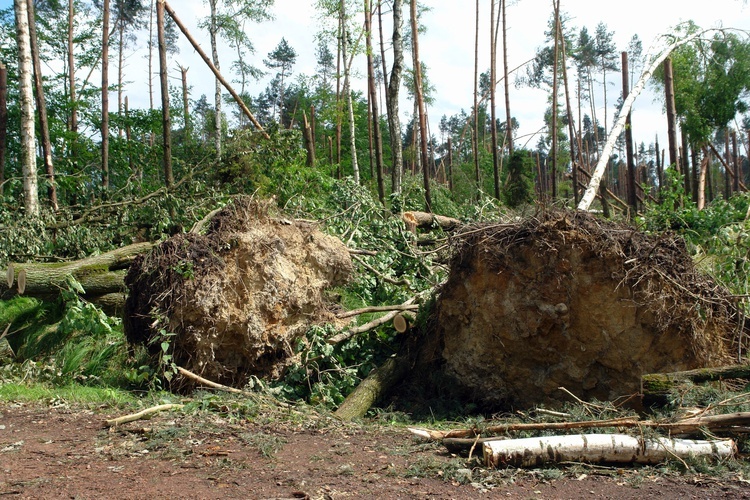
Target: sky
column 447, row 49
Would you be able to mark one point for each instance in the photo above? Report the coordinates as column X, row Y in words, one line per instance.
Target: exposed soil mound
column 232, row 303
column 568, row 300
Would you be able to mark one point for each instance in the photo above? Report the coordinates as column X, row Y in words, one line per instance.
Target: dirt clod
column 568, row 300
column 231, row 303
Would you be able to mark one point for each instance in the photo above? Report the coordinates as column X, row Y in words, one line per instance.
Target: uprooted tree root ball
column 231, row 303
column 566, row 299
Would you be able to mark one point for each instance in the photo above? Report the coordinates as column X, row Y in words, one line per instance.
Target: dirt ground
column 58, row 451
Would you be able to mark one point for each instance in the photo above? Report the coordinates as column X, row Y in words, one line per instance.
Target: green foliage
column 519, row 188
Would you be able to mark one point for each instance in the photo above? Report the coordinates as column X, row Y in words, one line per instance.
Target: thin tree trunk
column 450, row 165
column 553, row 132
column 632, row 194
column 128, row 137
column 493, row 101
column 694, row 163
column 214, row 31
column 120, row 50
column 73, row 125
column 727, row 167
column 671, row 113
column 348, row 94
column 41, row 106
column 508, row 116
column 377, row 140
column 659, row 166
column 166, row 121
column 475, row 138
column 735, row 162
column 702, row 180
column 186, row 106
column 150, row 57
column 418, row 91
column 571, row 127
column 394, row 88
column 105, row 95
column 3, row 123
column 213, row 68
column 339, row 105
column 26, row 102
column 685, row 163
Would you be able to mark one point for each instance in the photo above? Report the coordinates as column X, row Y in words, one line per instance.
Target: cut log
column 600, row 448
column 99, row 275
column 656, row 387
column 427, row 220
column 372, row 388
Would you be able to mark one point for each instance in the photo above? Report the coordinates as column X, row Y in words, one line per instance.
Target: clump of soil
column 569, row 300
column 231, row 303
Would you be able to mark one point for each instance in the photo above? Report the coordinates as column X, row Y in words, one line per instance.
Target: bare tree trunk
column 186, row 106
column 41, row 106
column 632, row 194
column 394, row 87
column 105, row 95
column 73, row 125
column 508, row 116
column 418, row 92
column 671, row 113
column 659, row 166
column 574, row 146
column 684, row 162
column 493, row 100
column 348, row 94
column 339, row 105
column 377, row 140
column 553, row 132
column 475, row 138
column 166, row 121
column 735, row 162
column 150, row 57
column 120, row 50
column 128, row 137
column 214, row 31
column 727, row 167
column 702, row 180
column 3, row 123
column 26, row 101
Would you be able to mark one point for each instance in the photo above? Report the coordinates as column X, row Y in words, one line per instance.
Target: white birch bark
column 28, row 148
column 601, row 166
column 600, row 448
column 348, row 93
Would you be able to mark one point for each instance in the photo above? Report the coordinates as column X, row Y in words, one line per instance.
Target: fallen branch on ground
column 372, row 388
column 141, row 414
column 347, row 334
column 725, row 423
column 371, row 309
column 600, row 448
column 208, row 383
column 414, row 220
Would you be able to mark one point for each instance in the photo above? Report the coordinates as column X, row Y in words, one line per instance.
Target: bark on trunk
column 657, row 386
column 394, row 88
column 372, row 88
column 429, row 220
column 105, row 95
column 3, row 123
column 214, row 32
column 493, row 101
column 600, row 448
column 166, row 120
column 375, row 386
column 632, row 194
column 419, row 93
column 508, row 116
column 213, row 68
column 348, row 93
column 73, row 124
column 99, row 275
column 28, row 149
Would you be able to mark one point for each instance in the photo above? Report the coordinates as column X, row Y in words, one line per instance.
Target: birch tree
column 26, row 103
column 394, row 87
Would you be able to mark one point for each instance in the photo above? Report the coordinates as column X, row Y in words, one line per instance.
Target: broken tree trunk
column 100, row 276
column 600, row 448
column 414, row 220
column 372, row 388
column 656, row 387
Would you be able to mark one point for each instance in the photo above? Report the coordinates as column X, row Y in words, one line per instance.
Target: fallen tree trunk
column 372, row 388
column 600, row 448
column 427, row 220
column 656, row 387
column 99, row 275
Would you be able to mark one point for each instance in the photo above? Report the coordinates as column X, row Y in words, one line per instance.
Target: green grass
column 23, row 392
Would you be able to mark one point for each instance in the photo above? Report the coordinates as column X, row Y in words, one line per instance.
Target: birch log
column 601, row 166
column 600, row 448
